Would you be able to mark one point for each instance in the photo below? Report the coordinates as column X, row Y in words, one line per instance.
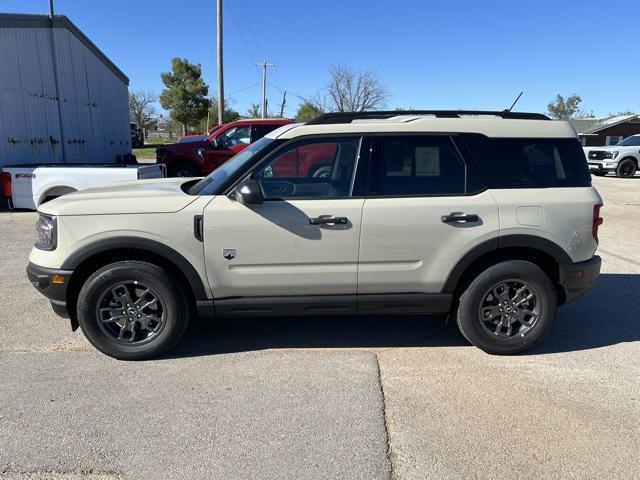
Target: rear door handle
column 459, row 217
column 328, row 220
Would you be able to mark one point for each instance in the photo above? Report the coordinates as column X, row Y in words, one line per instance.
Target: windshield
column 210, row 184
column 630, row 141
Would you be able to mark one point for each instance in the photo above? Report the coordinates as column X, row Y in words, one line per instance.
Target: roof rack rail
column 348, row 117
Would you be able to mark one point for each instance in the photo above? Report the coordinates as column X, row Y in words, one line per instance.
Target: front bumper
column 577, row 278
column 52, row 283
column 602, row 166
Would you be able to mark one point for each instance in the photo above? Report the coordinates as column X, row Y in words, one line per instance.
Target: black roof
column 348, row 117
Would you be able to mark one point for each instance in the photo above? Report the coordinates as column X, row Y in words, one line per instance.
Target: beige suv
column 488, row 216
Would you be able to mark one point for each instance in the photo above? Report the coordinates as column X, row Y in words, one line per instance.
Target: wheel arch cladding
column 94, row 255
column 544, row 253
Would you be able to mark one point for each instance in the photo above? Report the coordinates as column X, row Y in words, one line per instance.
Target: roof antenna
column 514, row 103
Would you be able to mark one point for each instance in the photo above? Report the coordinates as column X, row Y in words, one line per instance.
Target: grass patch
column 149, row 149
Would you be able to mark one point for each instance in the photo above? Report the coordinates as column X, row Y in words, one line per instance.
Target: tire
column 626, row 168
column 183, row 170
column 155, row 329
column 479, row 298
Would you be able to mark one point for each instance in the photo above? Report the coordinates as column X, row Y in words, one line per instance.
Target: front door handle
column 459, row 217
column 328, row 220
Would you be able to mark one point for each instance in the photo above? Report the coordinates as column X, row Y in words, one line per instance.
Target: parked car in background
column 137, row 135
column 197, row 137
column 489, row 217
column 201, row 157
column 29, row 186
column 623, row 159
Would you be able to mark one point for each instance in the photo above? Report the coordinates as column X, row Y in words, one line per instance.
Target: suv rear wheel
column 508, row 308
column 132, row 310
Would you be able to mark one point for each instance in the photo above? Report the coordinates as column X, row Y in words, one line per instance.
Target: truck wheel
column 508, row 308
column 626, row 168
column 184, row 170
column 132, row 310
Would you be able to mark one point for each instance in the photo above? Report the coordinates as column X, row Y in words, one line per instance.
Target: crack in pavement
column 390, row 452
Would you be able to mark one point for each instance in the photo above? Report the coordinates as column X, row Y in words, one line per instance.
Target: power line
column 244, row 42
column 247, row 19
column 286, row 90
column 243, row 89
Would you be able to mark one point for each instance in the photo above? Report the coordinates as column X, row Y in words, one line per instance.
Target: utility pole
column 264, row 66
column 220, row 73
column 284, row 100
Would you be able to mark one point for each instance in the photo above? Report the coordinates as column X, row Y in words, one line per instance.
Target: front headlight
column 46, row 233
column 611, row 155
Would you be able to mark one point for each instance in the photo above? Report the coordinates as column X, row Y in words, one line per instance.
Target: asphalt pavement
column 370, row 398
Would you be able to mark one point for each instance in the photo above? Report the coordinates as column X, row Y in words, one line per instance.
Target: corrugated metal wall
column 93, row 117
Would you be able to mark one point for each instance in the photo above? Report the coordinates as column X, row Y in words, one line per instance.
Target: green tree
column 185, row 95
column 562, row 108
column 254, row 111
column 307, row 111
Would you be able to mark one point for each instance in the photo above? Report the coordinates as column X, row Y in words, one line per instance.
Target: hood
column 608, row 148
column 161, row 195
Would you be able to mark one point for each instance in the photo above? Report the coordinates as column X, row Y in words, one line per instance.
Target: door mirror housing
column 249, row 193
column 215, row 144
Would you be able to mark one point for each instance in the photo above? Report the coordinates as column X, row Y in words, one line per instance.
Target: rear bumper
column 52, row 283
column 577, row 278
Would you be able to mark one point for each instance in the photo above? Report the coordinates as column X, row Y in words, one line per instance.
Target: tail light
column 5, row 179
column 597, row 220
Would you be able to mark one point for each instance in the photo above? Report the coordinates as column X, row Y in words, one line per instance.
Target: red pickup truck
column 199, row 158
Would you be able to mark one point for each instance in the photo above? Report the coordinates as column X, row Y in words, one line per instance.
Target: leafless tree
column 142, row 107
column 349, row 91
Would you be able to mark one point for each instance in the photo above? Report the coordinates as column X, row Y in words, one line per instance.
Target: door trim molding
column 351, row 304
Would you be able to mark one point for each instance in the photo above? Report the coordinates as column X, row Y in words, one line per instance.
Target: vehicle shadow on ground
column 607, row 315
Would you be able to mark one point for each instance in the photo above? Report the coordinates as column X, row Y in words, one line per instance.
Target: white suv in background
column 623, row 159
column 487, row 216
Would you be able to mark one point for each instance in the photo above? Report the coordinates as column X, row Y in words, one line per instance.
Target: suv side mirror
column 249, row 193
column 215, row 144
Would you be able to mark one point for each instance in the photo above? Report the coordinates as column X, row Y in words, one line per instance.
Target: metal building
column 61, row 99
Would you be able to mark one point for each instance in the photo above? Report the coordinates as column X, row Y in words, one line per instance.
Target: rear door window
column 417, row 165
column 529, row 162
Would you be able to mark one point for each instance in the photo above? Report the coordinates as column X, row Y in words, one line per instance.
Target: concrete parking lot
column 353, row 398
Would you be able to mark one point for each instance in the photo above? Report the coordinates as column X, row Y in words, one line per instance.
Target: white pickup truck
column 623, row 159
column 29, row 186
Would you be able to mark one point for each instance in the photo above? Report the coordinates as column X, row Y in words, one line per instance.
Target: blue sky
column 469, row 54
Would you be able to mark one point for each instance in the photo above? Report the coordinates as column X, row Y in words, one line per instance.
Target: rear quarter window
column 529, row 162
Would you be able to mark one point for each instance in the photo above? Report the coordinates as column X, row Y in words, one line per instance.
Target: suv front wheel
column 508, row 308
column 132, row 310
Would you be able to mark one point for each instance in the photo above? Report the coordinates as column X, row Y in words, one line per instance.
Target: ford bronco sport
column 487, row 216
